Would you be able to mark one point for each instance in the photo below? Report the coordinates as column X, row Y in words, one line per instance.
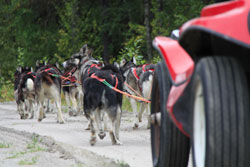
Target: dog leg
column 105, row 120
column 134, row 108
column 114, row 131
column 79, row 100
column 113, row 137
column 41, row 114
column 68, row 103
column 118, row 122
column 142, row 109
column 149, row 117
column 31, row 109
column 59, row 111
column 74, row 104
column 93, row 134
column 98, row 120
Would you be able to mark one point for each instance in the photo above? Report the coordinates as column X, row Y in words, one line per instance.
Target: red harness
column 32, row 73
column 102, row 80
column 69, row 77
column 144, row 70
column 94, row 65
column 135, row 74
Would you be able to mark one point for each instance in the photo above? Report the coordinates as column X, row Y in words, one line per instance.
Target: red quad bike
column 200, row 95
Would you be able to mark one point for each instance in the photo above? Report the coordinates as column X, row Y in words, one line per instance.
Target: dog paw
column 61, row 122
column 135, row 126
column 71, row 113
column 31, row 117
column 118, row 142
column 39, row 119
column 92, row 141
column 26, row 116
column 102, row 135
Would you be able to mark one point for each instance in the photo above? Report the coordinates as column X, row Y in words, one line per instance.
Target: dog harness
column 135, row 74
column 92, row 66
column 32, row 73
column 69, row 78
column 144, row 70
column 102, row 80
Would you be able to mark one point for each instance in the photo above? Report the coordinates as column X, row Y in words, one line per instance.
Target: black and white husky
column 24, row 92
column 138, row 81
column 48, row 86
column 100, row 101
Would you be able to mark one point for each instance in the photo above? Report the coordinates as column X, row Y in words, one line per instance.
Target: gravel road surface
column 28, row 142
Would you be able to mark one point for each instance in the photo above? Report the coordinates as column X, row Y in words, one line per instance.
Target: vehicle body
column 208, row 70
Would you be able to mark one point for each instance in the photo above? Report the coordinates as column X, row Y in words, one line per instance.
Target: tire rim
column 199, row 134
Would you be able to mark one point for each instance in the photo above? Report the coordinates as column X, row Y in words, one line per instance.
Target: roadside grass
column 122, row 163
column 126, row 106
column 6, row 92
column 31, row 148
column 5, row 145
column 33, row 161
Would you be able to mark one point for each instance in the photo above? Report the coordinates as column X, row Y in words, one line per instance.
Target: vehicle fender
column 180, row 68
column 179, row 64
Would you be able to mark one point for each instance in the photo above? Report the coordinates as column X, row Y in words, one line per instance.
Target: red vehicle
column 200, row 94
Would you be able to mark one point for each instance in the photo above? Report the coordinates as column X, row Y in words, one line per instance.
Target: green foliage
column 130, row 50
column 5, row 145
column 6, row 91
column 55, row 29
column 33, row 161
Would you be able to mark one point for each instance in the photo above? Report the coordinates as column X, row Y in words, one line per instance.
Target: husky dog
column 48, row 86
column 48, row 106
column 24, row 91
column 138, row 81
column 75, row 69
column 100, row 100
column 71, row 86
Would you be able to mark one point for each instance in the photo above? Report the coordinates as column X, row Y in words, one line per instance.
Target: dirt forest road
column 46, row 143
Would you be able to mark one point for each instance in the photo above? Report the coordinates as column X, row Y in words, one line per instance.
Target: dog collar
column 135, row 74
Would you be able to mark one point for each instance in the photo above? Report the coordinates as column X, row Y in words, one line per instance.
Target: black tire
column 169, row 146
column 226, row 114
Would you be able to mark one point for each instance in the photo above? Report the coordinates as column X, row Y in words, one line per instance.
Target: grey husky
column 138, row 81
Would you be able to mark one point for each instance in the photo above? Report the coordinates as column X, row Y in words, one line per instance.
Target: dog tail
column 30, row 84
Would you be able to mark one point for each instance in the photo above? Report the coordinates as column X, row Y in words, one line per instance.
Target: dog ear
column 89, row 52
column 57, row 65
column 83, row 49
column 134, row 60
column 37, row 63
column 116, row 64
column 31, row 69
column 19, row 69
column 123, row 62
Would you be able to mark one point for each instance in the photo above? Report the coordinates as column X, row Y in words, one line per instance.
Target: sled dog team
column 88, row 84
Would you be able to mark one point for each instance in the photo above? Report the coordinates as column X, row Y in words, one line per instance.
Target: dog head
column 125, row 65
column 71, row 62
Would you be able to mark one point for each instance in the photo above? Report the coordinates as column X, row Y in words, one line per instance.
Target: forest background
column 53, row 30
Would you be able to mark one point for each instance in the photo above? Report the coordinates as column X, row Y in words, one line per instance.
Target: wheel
column 221, row 114
column 169, row 146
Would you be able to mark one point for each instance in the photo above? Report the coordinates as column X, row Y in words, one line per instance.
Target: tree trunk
column 147, row 6
column 105, row 38
column 160, row 9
